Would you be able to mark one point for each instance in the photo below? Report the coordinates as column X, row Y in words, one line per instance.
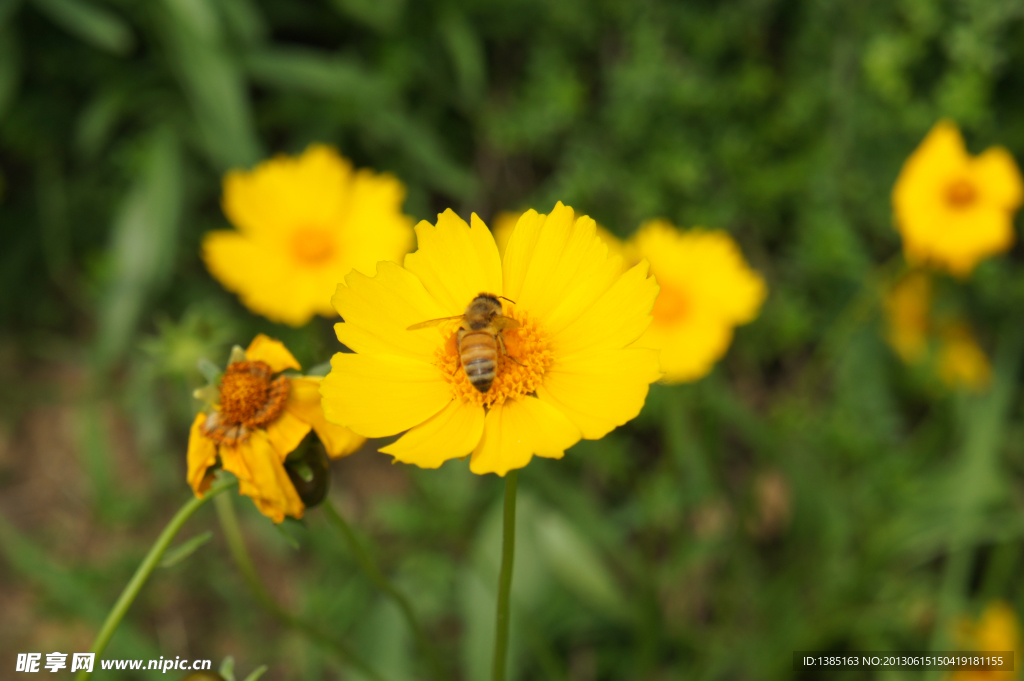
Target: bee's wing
column 432, row 322
column 503, row 323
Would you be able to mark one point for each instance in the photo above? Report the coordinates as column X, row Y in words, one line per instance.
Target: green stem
column 240, row 554
column 508, row 551
column 149, row 563
column 371, row 570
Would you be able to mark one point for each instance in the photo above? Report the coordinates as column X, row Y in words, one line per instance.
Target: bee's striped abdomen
column 478, row 351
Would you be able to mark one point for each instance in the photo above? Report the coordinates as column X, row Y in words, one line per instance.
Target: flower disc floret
column 519, row 373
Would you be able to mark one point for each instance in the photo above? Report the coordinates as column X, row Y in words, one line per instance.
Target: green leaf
column 185, row 549
column 227, row 668
column 212, row 81
column 467, row 55
column 257, row 673
column 577, row 564
column 143, row 243
column 379, row 14
column 95, row 25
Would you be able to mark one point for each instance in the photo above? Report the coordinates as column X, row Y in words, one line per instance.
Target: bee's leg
column 504, row 350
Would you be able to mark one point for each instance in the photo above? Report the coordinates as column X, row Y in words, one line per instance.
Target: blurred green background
column 811, row 494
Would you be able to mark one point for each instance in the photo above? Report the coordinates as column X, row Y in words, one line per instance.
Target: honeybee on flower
column 566, row 372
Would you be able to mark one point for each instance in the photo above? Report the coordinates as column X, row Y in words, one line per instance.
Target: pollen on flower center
column 249, row 398
column 312, row 245
column 960, row 194
column 670, row 306
column 518, row 374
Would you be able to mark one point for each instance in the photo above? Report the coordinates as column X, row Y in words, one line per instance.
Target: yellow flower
column 707, row 289
column 505, row 223
column 256, row 420
column 962, row 363
column 997, row 630
column 907, row 307
column 303, row 224
column 570, row 372
column 952, row 209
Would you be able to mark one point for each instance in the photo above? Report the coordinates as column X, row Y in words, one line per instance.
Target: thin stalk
column 240, row 554
column 149, row 563
column 508, row 551
column 371, row 570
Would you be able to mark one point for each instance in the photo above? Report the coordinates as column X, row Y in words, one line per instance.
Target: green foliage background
column 811, row 494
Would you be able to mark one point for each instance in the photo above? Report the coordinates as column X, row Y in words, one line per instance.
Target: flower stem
column 149, row 563
column 508, row 550
column 240, row 554
column 371, row 570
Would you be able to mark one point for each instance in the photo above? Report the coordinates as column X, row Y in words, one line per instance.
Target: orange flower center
column 960, row 194
column 670, row 306
column 249, row 398
column 312, row 245
column 517, row 374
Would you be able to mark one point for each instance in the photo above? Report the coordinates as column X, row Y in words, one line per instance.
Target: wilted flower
column 303, row 224
column 952, row 209
column 707, row 290
column 255, row 418
column 569, row 373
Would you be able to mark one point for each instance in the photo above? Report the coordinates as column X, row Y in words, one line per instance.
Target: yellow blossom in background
column 907, row 307
column 256, row 418
column 958, row 360
column 570, row 372
column 707, row 289
column 953, row 209
column 961, row 361
column 505, row 223
column 303, row 224
column 997, row 630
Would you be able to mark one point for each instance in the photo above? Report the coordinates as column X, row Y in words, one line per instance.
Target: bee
column 479, row 338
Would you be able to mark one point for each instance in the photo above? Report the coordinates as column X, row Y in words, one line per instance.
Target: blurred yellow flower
column 254, row 421
column 907, row 307
column 961, row 361
column 506, row 221
column 303, row 224
column 707, row 289
column 952, row 209
column 997, row 630
column 569, row 373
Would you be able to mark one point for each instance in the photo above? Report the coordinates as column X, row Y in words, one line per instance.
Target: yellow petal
column 265, row 280
column 378, row 311
column 517, row 430
column 614, row 320
column 381, row 395
column 602, row 390
column 304, row 402
column 690, row 349
column 556, row 267
column 449, row 434
column 455, row 261
column 375, row 228
column 271, row 351
column 202, row 453
column 268, row 484
column 287, row 191
column 998, row 178
column 286, row 432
